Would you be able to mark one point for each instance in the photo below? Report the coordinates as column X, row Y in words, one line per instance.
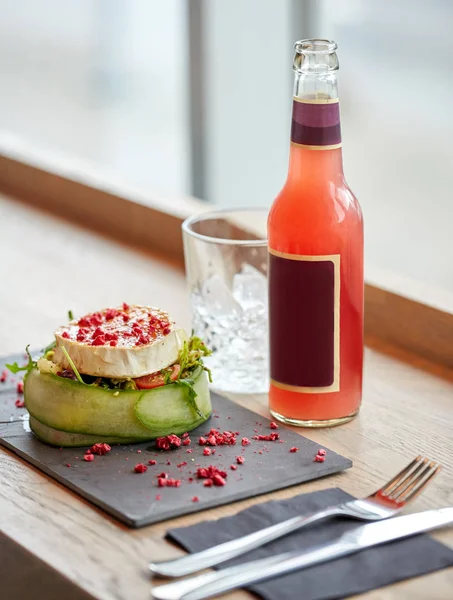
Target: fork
column 388, row 501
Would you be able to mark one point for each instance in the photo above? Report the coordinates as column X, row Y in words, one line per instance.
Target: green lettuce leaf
column 188, row 384
column 190, row 357
column 15, row 368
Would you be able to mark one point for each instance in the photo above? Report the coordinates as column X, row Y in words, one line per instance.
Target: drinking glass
column 226, row 264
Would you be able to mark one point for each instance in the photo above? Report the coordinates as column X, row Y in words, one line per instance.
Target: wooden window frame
column 152, row 223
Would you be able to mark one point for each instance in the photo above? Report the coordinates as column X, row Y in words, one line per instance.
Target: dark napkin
column 367, row 570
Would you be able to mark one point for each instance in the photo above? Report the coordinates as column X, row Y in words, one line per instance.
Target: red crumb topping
column 126, row 326
column 319, row 458
column 88, row 457
column 321, row 452
column 152, row 462
column 207, row 452
column 245, row 441
column 233, row 467
column 186, row 441
column 19, row 403
column 20, row 387
column 140, row 468
column 273, row 425
column 294, row 449
column 195, row 499
column 240, row 460
column 4, row 376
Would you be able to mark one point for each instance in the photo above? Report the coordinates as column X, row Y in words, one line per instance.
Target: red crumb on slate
column 321, row 455
column 189, row 451
column 20, row 387
column 233, row 467
column 4, row 376
column 207, row 483
column 217, row 438
column 273, row 425
column 294, row 449
column 19, row 403
column 206, row 452
column 67, row 465
column 158, row 497
column 240, row 460
column 140, row 468
column 88, row 457
column 162, row 482
column 272, row 437
column 168, row 442
column 213, row 475
column 245, row 441
column 186, row 441
column 195, row 499
column 152, row 462
column 182, row 464
column 100, row 449
column 218, row 480
column 163, row 474
column 139, row 451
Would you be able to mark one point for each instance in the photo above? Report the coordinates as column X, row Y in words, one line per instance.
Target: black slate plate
column 111, row 483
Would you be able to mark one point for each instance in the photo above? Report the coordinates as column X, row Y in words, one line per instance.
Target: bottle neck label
column 304, row 320
column 316, row 123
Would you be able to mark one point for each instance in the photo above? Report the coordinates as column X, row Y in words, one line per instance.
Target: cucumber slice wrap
column 68, row 406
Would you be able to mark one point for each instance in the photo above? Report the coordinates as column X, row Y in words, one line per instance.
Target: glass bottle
column 315, row 236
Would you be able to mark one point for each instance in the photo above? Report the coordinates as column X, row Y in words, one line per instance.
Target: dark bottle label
column 316, row 123
column 304, row 320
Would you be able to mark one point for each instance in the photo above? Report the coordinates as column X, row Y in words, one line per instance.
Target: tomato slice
column 148, row 382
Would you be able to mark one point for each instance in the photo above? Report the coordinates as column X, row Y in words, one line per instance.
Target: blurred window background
column 194, row 97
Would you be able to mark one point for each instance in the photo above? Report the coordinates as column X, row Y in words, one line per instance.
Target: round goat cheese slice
column 120, row 343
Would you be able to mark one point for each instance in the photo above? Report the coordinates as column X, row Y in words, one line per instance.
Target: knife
column 350, row 542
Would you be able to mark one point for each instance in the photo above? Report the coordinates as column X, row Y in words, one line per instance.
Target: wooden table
column 73, row 550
